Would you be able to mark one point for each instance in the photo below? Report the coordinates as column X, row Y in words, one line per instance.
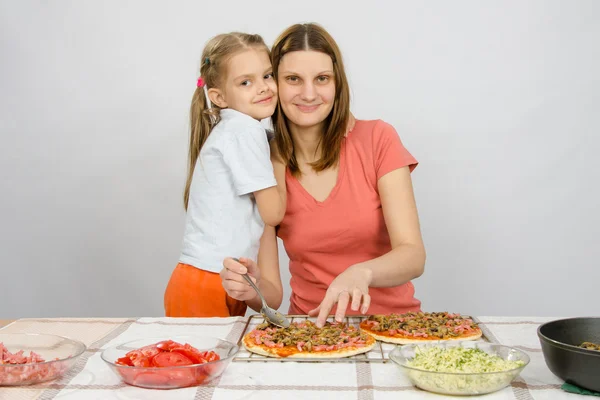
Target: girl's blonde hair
column 313, row 37
column 215, row 56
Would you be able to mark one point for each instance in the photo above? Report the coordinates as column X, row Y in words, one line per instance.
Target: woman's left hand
column 352, row 283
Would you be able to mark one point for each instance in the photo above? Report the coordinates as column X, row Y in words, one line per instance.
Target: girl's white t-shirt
column 222, row 217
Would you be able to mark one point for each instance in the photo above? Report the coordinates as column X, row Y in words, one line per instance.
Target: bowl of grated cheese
column 460, row 368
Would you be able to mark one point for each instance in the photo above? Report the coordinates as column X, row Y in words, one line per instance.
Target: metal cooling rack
column 379, row 353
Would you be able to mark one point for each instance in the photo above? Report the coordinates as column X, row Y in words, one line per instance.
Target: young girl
column 231, row 190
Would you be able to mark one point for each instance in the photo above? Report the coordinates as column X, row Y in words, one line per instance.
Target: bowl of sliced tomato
column 170, row 363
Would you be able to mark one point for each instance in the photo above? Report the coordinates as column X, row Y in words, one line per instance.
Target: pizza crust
column 272, row 352
column 400, row 340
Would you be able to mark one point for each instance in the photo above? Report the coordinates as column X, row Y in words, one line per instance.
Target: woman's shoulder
column 372, row 131
column 380, row 140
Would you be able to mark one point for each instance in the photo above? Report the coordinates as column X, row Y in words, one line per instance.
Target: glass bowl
column 60, row 354
column 176, row 376
column 460, row 383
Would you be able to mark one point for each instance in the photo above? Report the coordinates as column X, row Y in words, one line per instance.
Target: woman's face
column 306, row 87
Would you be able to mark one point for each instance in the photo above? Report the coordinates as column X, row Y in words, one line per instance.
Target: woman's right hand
column 234, row 283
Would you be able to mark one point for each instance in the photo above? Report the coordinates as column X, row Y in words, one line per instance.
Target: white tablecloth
column 92, row 378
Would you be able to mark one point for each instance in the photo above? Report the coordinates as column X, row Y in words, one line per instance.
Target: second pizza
column 419, row 327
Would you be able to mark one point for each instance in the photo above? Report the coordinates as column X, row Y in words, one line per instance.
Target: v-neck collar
column 340, row 176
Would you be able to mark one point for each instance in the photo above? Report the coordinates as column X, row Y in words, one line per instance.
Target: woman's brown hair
column 302, row 37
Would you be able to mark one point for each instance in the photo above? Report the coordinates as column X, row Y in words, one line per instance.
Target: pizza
column 305, row 340
column 419, row 327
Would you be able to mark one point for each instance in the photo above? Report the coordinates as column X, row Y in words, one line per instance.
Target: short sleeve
column 247, row 155
column 390, row 153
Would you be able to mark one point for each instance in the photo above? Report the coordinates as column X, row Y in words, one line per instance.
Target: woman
column 351, row 228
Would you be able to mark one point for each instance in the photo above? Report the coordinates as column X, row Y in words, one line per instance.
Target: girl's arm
column 271, row 204
column 265, row 274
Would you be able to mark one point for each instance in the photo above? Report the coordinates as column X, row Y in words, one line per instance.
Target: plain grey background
column 498, row 100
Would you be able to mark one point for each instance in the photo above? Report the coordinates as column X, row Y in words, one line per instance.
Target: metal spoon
column 271, row 315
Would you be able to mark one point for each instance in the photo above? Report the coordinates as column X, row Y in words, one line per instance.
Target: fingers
column 366, row 303
column 233, row 282
column 324, row 309
column 228, row 275
column 356, row 298
column 342, row 299
column 235, row 266
column 251, row 266
column 238, row 290
column 342, row 305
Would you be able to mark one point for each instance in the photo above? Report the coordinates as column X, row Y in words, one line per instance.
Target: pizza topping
column 305, row 336
column 19, row 368
column 590, row 346
column 6, row 357
column 440, row 325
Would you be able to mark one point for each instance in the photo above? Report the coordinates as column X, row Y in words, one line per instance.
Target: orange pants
column 193, row 292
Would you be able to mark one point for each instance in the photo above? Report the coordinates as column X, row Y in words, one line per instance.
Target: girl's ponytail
column 203, row 114
column 202, row 120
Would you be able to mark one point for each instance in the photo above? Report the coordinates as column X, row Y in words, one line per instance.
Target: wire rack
column 379, row 354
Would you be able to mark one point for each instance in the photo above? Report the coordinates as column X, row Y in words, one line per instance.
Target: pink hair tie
column 200, row 82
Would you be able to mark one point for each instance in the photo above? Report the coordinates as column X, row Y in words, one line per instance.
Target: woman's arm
column 265, row 274
column 403, row 263
column 406, row 260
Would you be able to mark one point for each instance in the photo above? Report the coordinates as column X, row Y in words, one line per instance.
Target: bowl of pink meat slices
column 30, row 358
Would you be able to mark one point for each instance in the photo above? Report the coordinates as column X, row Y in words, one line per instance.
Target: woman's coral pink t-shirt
column 322, row 239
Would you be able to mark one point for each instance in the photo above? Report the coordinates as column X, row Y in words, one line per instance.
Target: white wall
column 498, row 100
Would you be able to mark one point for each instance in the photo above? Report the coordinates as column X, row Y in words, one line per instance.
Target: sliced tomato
column 138, row 359
column 169, row 353
column 167, row 345
column 151, row 379
column 182, row 377
column 149, row 351
column 142, row 362
column 124, row 361
column 170, row 359
column 128, row 374
column 201, row 376
column 210, row 356
column 192, row 355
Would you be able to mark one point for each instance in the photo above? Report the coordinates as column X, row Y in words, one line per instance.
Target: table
column 92, row 379
column 4, row 322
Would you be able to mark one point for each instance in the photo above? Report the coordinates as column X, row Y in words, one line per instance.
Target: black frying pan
column 559, row 340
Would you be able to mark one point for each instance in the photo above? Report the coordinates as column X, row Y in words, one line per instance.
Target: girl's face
column 306, row 87
column 249, row 86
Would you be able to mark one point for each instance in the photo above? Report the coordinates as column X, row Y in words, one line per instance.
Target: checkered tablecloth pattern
column 91, row 378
